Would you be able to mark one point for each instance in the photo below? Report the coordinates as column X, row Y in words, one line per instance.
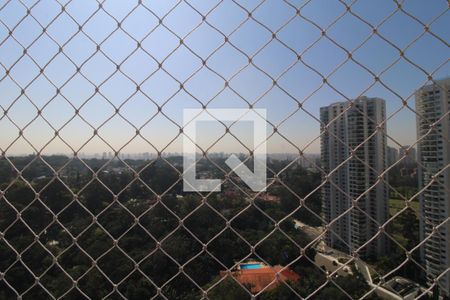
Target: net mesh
column 115, row 227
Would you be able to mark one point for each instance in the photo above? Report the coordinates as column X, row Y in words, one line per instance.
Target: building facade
column 392, row 155
column 354, row 178
column 433, row 132
column 407, row 154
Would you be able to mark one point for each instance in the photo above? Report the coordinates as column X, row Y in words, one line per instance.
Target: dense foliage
column 118, row 233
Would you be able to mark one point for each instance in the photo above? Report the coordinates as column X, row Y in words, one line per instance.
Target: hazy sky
column 97, row 65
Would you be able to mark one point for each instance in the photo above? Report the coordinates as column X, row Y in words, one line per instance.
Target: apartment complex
column 433, row 130
column 392, row 155
column 407, row 154
column 348, row 129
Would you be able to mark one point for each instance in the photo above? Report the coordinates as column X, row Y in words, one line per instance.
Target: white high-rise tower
column 433, row 155
column 355, row 127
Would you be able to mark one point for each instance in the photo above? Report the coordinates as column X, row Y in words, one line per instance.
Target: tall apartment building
column 432, row 106
column 392, row 155
column 409, row 154
column 350, row 127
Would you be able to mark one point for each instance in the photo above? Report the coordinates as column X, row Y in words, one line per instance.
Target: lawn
column 396, row 205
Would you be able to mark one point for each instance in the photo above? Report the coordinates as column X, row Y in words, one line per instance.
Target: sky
column 160, row 63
